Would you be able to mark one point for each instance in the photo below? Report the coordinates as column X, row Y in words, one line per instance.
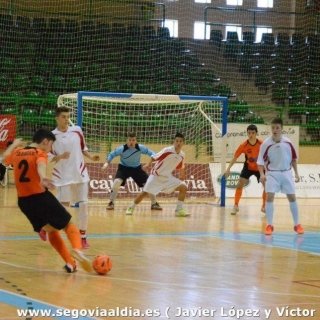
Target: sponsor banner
column 7, row 130
column 237, row 133
column 308, row 187
column 198, row 180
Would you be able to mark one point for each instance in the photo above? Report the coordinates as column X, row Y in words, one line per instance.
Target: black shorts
column 246, row 173
column 139, row 176
column 42, row 209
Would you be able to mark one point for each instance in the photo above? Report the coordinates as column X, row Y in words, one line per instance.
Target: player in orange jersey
column 38, row 204
column 250, row 148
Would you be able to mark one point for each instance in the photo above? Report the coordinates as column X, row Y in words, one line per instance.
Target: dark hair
column 61, row 109
column 179, row 135
column 132, row 135
column 277, row 121
column 42, row 134
column 252, row 127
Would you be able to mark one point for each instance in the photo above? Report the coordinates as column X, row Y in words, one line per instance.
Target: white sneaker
column 129, row 211
column 235, row 209
column 82, row 259
column 181, row 213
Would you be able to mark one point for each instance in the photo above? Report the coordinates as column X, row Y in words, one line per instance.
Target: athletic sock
column 264, row 198
column 295, row 212
column 57, row 242
column 73, row 235
column 237, row 196
column 269, row 212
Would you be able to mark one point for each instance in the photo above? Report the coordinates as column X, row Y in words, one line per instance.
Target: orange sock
column 73, row 235
column 237, row 196
column 57, row 242
column 264, row 197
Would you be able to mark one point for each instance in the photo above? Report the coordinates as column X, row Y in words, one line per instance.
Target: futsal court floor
column 211, row 265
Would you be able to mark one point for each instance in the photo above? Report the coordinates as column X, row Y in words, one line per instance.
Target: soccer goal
column 106, row 118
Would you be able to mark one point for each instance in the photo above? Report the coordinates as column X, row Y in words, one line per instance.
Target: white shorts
column 73, row 192
column 156, row 184
column 280, row 181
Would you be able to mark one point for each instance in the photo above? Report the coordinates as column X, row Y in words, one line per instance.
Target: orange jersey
column 26, row 177
column 251, row 153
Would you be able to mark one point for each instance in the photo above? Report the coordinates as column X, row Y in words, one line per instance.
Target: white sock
column 83, row 215
column 179, row 205
column 269, row 212
column 115, row 189
column 152, row 198
column 295, row 212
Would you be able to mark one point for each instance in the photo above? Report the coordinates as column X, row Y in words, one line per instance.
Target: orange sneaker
column 298, row 229
column 269, row 230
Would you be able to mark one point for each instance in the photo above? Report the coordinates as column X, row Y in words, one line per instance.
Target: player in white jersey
column 278, row 156
column 70, row 173
column 161, row 177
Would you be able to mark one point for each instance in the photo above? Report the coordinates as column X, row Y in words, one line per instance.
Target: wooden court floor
column 211, row 265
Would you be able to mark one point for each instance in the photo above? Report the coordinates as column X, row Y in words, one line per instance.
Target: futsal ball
column 102, row 264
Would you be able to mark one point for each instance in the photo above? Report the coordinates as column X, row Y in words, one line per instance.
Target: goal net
column 107, row 118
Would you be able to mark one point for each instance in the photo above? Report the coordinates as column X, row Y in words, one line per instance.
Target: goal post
column 107, row 117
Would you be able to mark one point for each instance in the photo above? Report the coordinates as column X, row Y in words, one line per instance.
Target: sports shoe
column 263, row 209
column 69, row 268
column 298, row 229
column 85, row 244
column 110, row 206
column 43, row 235
column 129, row 211
column 181, row 213
column 75, row 205
column 269, row 230
column 235, row 209
column 84, row 261
column 156, row 206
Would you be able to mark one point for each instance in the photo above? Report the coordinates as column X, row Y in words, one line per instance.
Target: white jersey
column 74, row 169
column 167, row 161
column 277, row 156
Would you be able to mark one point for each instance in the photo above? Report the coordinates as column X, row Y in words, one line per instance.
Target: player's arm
column 45, row 182
column 89, row 156
column 182, row 174
column 16, row 143
column 149, row 163
column 56, row 158
column 111, row 156
column 232, row 162
column 295, row 169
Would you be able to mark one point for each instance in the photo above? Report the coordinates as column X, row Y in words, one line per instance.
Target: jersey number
column 25, row 166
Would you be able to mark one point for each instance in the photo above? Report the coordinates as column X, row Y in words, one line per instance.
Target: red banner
column 7, row 130
column 198, row 180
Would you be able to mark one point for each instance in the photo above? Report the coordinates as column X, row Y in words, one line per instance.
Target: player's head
column 252, row 131
column 276, row 129
column 44, row 138
column 252, row 127
column 132, row 139
column 178, row 141
column 179, row 135
column 62, row 117
column 277, row 121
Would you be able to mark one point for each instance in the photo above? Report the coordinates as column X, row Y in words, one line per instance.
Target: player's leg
column 289, row 189
column 152, row 186
column 136, row 201
column 174, row 184
column 80, row 193
column 238, row 193
column 122, row 174
column 59, row 219
column 180, row 212
column 140, row 177
column 114, row 192
column 264, row 195
column 272, row 186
